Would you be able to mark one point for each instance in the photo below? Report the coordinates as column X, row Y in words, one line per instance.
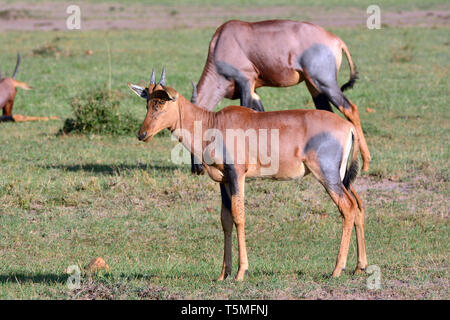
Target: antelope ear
column 141, row 92
column 171, row 93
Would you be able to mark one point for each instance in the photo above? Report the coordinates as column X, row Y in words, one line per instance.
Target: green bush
column 99, row 112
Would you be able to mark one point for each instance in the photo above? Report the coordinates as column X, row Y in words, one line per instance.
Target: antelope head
column 162, row 107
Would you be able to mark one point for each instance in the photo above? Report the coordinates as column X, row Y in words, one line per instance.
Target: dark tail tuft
column 351, row 173
column 353, row 169
column 349, row 84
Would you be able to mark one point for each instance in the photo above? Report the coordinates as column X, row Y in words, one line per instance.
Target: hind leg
column 318, row 65
column 7, row 112
column 324, row 157
column 320, row 100
column 350, row 111
column 256, row 102
column 359, row 229
column 347, row 207
column 346, row 204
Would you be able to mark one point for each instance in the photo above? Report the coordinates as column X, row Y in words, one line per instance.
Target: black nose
column 142, row 136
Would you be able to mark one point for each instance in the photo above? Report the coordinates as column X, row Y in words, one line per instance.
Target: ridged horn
column 152, row 78
column 162, row 81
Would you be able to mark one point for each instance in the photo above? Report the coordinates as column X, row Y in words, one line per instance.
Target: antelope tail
column 352, row 171
column 353, row 73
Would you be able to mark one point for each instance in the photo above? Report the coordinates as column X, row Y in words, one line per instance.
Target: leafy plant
column 98, row 111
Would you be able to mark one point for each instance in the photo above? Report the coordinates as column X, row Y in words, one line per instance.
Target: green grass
column 67, row 199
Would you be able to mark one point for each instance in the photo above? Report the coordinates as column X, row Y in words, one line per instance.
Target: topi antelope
column 307, row 141
column 8, row 91
column 244, row 56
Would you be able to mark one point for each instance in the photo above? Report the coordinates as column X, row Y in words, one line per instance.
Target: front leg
column 196, row 168
column 238, row 214
column 227, row 226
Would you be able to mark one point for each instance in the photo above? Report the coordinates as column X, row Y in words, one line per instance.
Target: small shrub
column 97, row 112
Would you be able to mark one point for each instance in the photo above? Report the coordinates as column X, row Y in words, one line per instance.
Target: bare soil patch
column 52, row 16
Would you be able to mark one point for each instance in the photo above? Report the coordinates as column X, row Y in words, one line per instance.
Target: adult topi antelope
column 306, row 141
column 244, row 56
column 8, row 91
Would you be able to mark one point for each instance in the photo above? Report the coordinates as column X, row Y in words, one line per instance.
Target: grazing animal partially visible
column 8, row 91
column 244, row 56
column 309, row 141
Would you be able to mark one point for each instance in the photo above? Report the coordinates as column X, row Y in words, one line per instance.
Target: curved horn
column 162, row 81
column 194, row 93
column 152, row 79
column 17, row 66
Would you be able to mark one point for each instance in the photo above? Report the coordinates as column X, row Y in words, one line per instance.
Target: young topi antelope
column 305, row 141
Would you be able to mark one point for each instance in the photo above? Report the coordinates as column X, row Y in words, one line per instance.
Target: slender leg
column 238, row 214
column 347, row 206
column 227, row 226
column 256, row 102
column 244, row 93
column 350, row 111
column 196, row 168
column 7, row 112
column 359, row 229
column 320, row 100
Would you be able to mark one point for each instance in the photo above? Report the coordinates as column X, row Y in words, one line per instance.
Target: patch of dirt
column 53, row 16
column 365, row 183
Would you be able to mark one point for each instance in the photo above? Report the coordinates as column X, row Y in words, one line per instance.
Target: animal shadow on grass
column 35, row 278
column 112, row 169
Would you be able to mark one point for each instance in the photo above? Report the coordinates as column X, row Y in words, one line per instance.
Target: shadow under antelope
column 308, row 141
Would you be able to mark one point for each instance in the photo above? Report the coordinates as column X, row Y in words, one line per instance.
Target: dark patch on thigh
column 329, row 154
column 320, row 65
column 226, row 201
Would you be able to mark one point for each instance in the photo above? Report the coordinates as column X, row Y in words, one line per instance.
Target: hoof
column 336, row 273
column 241, row 275
column 359, row 270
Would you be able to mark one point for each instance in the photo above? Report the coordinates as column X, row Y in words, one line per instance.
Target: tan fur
column 168, row 109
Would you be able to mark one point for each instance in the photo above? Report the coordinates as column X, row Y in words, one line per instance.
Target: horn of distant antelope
column 17, row 66
column 162, row 81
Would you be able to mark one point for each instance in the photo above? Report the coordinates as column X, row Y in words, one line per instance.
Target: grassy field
column 65, row 199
